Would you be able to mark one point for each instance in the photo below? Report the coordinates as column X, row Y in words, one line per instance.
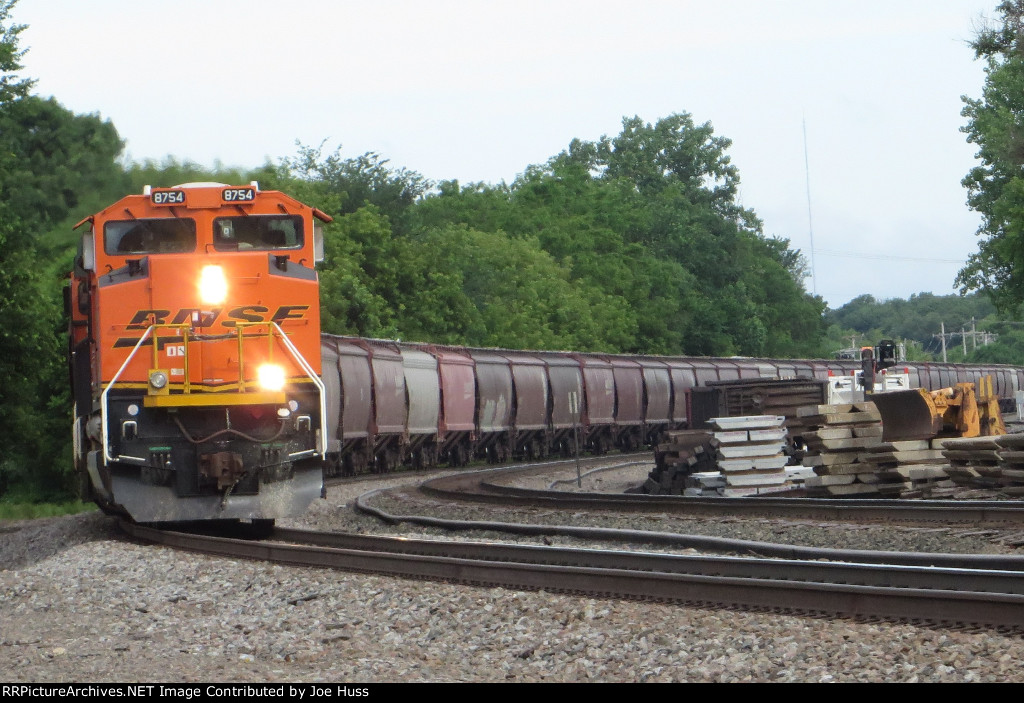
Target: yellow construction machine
column 959, row 411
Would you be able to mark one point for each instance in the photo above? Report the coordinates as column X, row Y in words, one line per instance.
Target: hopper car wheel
column 529, row 451
column 347, row 467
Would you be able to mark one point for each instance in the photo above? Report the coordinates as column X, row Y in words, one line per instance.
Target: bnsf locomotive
column 195, row 354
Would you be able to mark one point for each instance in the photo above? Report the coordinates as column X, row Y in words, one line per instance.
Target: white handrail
column 103, row 397
column 321, row 443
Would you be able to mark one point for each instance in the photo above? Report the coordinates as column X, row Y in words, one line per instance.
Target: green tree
column 365, row 179
column 648, row 218
column 50, row 159
column 996, row 185
column 12, row 86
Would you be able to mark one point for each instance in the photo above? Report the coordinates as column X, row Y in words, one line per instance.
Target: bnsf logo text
column 142, row 319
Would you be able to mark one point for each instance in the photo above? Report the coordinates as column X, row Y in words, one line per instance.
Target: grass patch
column 30, row 511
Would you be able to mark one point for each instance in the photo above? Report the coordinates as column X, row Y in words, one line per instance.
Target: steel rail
column 932, row 605
column 995, row 576
column 703, row 542
column 481, row 487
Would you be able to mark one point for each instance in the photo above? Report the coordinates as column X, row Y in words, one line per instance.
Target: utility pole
column 963, row 338
column 943, row 342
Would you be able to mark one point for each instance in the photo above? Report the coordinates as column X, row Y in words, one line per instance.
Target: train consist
column 204, row 390
column 390, row 403
column 194, row 355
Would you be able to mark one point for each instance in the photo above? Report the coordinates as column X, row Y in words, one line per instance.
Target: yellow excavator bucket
column 908, row 415
column 950, row 412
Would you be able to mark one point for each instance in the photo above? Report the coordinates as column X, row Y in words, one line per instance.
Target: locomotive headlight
column 213, row 286
column 157, row 379
column 271, row 377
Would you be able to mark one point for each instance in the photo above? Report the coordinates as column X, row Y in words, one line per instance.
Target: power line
column 885, row 257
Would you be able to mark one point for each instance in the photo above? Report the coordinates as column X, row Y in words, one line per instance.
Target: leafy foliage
column 996, row 186
column 648, row 219
column 12, row 86
column 49, row 157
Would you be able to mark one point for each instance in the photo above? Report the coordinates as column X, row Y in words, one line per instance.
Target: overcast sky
column 477, row 91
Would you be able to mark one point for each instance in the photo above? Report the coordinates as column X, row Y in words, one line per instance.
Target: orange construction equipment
column 959, row 411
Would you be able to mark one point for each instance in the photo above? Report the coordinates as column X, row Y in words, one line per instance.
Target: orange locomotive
column 195, row 354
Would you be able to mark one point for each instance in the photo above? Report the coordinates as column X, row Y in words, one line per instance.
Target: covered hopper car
column 392, row 403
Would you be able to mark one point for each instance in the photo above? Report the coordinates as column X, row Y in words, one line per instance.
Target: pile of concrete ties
column 751, row 454
column 838, row 438
column 987, row 462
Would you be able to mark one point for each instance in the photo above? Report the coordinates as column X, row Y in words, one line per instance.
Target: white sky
column 478, row 90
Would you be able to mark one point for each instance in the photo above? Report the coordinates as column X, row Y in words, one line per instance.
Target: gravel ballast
column 79, row 602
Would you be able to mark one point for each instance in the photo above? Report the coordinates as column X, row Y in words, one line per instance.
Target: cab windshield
column 149, row 236
column 257, row 232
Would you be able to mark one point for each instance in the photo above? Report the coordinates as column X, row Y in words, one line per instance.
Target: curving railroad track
column 958, row 590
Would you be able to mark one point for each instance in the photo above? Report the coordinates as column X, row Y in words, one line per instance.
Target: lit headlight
column 271, row 377
column 213, row 287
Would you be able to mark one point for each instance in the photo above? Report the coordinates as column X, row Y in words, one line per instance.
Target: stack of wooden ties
column 911, row 468
column 987, row 462
column 681, row 454
column 838, row 438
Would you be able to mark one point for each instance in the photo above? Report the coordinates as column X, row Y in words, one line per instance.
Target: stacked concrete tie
column 751, row 454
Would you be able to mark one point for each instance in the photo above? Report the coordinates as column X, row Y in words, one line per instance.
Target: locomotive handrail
column 107, row 457
column 297, row 355
column 321, row 442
